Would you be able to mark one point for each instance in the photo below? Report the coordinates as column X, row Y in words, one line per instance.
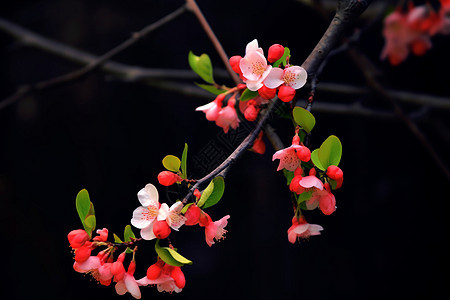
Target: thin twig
column 192, row 5
column 364, row 65
column 130, row 73
column 80, row 73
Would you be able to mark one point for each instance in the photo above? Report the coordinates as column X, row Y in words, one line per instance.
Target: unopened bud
column 161, row 229
column 168, row 178
column 234, row 62
column 276, row 51
column 267, row 93
column 286, row 93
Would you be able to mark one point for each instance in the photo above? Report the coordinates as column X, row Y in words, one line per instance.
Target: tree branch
column 192, row 5
column 93, row 65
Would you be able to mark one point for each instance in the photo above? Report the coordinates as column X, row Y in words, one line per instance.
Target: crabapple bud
column 204, row 219
column 155, row 270
column 286, row 93
column 178, row 277
column 77, row 238
column 251, row 113
column 276, row 51
column 312, row 172
column 267, row 93
column 234, row 62
column 304, row 154
column 192, row 215
column 296, row 140
column 334, row 172
column 161, row 229
column 168, row 178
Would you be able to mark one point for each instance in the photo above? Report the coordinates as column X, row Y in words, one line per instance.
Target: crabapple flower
column 254, row 66
column 294, row 77
column 215, row 230
column 98, row 269
column 172, row 215
column 213, row 108
column 228, row 117
column 288, row 158
column 301, row 229
column 323, row 199
column 102, row 235
column 145, row 215
column 129, row 283
column 166, row 277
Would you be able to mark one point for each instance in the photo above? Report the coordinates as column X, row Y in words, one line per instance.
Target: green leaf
column 117, row 239
column 305, row 196
column 185, row 208
column 89, row 224
column 171, row 163
column 83, row 204
column 315, row 159
column 183, row 162
column 128, row 234
column 247, row 95
column 210, row 88
column 170, row 256
column 202, row 66
column 304, row 118
column 330, row 152
column 213, row 193
column 282, row 60
column 289, row 176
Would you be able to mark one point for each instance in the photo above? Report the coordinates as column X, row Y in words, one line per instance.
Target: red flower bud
column 77, row 238
column 155, row 270
column 161, row 229
column 168, row 178
column 267, row 93
column 192, row 215
column 286, row 93
column 295, row 183
column 234, row 62
column 178, row 277
column 204, row 219
column 258, row 145
column 304, row 154
column 83, row 253
column 276, row 51
column 336, row 174
column 251, row 113
column 296, row 140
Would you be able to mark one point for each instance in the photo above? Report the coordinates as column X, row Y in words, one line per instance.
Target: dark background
column 387, row 239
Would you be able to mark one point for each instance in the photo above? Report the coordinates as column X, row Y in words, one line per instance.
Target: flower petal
column 253, row 46
column 132, row 286
column 163, row 212
column 274, row 78
column 142, row 217
column 148, row 195
column 295, row 77
column 315, row 229
column 147, row 233
column 311, row 181
column 253, row 65
column 120, row 287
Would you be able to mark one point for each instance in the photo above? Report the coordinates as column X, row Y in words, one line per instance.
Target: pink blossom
column 129, row 283
column 145, row 215
column 323, row 199
column 172, row 215
column 301, row 229
column 254, row 66
column 228, row 117
column 213, row 108
column 288, row 158
column 102, row 235
column 215, row 230
column 95, row 266
column 294, row 77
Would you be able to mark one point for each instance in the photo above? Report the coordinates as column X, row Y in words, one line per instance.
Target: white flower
column 254, row 66
column 294, row 76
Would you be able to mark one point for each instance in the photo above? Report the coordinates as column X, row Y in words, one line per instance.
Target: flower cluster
column 311, row 191
column 412, row 29
column 263, row 82
column 155, row 220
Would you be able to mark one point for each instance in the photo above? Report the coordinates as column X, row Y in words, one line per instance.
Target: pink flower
column 228, row 117
column 166, row 277
column 172, row 215
column 294, row 77
column 323, row 199
column 397, row 38
column 288, row 158
column 129, row 283
column 301, row 229
column 102, row 235
column 213, row 108
column 145, row 215
column 215, row 230
column 98, row 269
column 254, row 66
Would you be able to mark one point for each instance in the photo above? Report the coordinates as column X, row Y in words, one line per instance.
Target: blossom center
column 150, row 213
column 289, row 77
column 220, row 234
column 258, row 67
